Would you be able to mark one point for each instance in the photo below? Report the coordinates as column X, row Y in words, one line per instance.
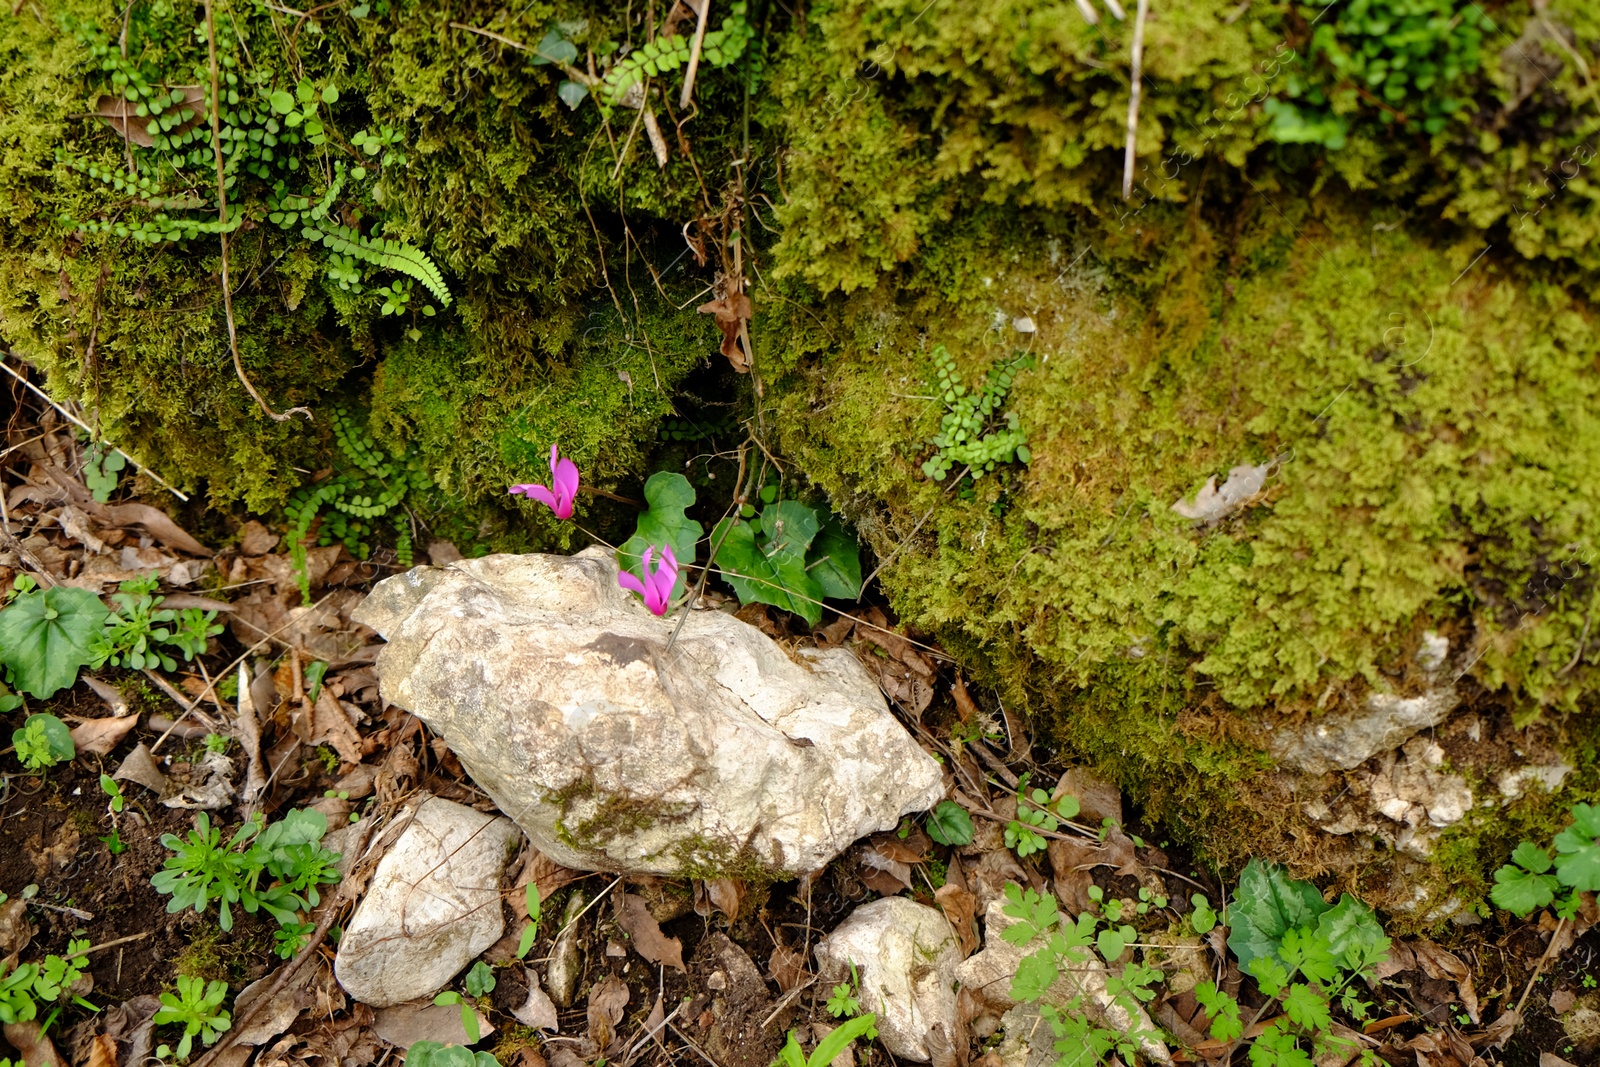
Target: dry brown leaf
column 157, row 523
column 883, row 874
column 648, row 941
column 732, row 313
column 1438, row 962
column 36, row 1050
column 1070, row 862
column 543, row 872
column 115, row 703
column 608, row 1000
column 15, row 932
column 1550, row 1059
column 330, row 725
column 1562, row 1000
column 720, row 894
column 256, row 540
column 538, row 1011
column 966, row 707
column 836, row 632
column 961, row 908
column 1498, row 1032
column 913, row 848
column 102, row 1052
column 786, row 967
column 120, row 114
column 98, row 737
column 1098, row 799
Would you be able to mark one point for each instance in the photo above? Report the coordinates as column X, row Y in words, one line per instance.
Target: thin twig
column 222, row 214
column 1133, row 97
column 1555, row 939
column 694, row 55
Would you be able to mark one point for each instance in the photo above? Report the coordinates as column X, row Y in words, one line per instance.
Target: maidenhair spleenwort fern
column 666, row 54
column 281, row 165
column 373, row 486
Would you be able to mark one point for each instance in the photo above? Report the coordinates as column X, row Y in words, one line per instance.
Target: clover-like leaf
column 1522, row 892
column 1578, row 850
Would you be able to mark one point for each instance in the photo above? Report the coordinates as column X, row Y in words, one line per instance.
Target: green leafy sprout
column 197, row 1007
column 42, row 742
column 1533, row 880
column 287, row 854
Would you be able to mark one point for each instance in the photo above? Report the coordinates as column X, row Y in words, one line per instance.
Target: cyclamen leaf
column 836, row 561
column 1267, row 905
column 761, row 578
column 668, row 494
column 949, row 824
column 47, row 635
column 1354, row 936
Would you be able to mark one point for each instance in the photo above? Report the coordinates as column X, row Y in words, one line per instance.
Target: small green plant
column 828, row 1049
column 102, row 465
column 480, row 980
column 790, row 557
column 1035, row 812
column 1064, row 949
column 42, row 742
column 843, row 1002
column 372, row 487
column 974, row 433
column 1202, row 919
column 1527, row 883
column 47, row 635
column 1402, row 61
column 433, row 1054
column 288, row 853
column 31, row 986
column 949, row 824
column 109, row 786
column 530, row 931
column 469, row 1016
column 197, row 1007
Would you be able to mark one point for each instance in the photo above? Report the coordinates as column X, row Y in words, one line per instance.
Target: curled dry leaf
column 732, row 312
column 102, row 1051
column 786, row 967
column 608, row 1001
column 98, row 737
column 120, row 115
column 961, row 908
column 538, row 1011
column 884, row 874
column 634, row 917
column 720, row 894
column 34, row 1048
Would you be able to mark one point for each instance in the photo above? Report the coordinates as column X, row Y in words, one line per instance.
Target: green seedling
column 43, row 742
column 828, row 1049
column 530, row 931
column 197, row 1007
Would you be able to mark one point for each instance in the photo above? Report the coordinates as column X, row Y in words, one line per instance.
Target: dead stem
column 222, row 214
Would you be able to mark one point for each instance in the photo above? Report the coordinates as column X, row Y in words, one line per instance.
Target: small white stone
column 906, row 957
column 433, row 905
column 1023, row 324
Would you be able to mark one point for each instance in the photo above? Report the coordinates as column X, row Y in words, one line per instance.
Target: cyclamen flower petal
column 564, row 477
column 656, row 587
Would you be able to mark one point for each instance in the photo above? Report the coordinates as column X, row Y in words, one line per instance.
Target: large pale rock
column 906, row 956
column 433, row 905
column 557, row 691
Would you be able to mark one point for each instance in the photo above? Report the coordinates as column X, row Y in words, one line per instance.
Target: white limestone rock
column 433, row 905
column 558, row 693
column 906, row 956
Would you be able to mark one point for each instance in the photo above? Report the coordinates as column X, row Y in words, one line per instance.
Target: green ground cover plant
column 275, row 867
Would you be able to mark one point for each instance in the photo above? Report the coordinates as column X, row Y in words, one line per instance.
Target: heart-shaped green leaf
column 45, row 636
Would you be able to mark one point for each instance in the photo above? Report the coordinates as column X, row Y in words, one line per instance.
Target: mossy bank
column 1358, row 252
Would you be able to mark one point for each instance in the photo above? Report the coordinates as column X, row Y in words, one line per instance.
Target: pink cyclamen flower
column 564, row 479
column 657, row 586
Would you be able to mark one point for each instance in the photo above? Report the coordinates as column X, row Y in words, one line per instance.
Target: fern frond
column 385, row 252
